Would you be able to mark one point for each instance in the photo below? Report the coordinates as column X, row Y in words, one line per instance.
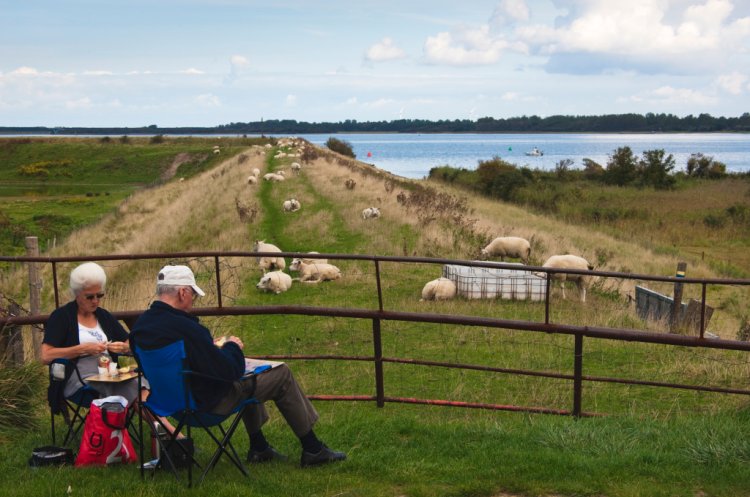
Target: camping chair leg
column 222, row 448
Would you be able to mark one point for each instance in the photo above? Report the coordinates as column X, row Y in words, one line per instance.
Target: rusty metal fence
column 380, row 314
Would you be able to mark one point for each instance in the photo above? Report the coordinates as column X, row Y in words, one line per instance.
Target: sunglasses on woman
column 92, row 296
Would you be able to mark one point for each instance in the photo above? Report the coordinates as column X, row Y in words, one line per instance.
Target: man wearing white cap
column 168, row 321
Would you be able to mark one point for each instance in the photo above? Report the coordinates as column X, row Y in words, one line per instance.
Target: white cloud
column 383, row 51
column 670, row 95
column 81, row 103
column 509, row 11
column 290, row 100
column 208, row 100
column 351, row 101
column 732, row 83
column 238, row 61
column 100, row 72
column 464, row 47
column 192, row 71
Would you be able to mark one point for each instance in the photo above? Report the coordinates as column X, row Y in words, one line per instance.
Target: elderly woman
column 81, row 331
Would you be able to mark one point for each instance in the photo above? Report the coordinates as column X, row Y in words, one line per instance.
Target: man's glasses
column 92, row 296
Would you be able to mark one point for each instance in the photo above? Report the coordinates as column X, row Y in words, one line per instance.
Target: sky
column 211, row 62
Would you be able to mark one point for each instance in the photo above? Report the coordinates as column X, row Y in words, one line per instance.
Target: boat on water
column 535, row 152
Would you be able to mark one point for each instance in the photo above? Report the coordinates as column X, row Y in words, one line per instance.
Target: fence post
column 32, row 250
column 577, row 375
column 378, row 353
column 677, row 301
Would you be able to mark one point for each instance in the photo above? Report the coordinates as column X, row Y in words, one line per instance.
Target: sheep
column 371, row 213
column 252, row 180
column 256, row 172
column 296, row 166
column 315, row 272
column 268, row 262
column 275, row 281
column 273, row 177
column 311, row 260
column 569, row 261
column 291, row 205
column 350, row 184
column 508, row 246
column 439, row 289
column 216, row 149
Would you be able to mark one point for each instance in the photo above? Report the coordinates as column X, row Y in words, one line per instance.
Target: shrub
column 621, row 168
column 341, row 146
column 156, row 139
column 704, row 166
column 654, row 169
column 592, row 170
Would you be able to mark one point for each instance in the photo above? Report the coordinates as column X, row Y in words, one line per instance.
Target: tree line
column 609, row 123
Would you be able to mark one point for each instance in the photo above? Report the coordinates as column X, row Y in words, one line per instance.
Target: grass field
column 652, row 441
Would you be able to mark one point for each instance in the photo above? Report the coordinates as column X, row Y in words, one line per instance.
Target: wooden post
column 677, row 302
column 35, row 286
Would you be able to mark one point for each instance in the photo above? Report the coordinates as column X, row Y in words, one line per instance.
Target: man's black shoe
column 270, row 454
column 325, row 455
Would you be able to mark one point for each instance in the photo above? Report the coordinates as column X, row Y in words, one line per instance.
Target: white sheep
column 569, row 261
column 296, row 167
column 268, row 262
column 311, row 260
column 252, row 180
column 508, row 246
column 315, row 272
column 291, row 205
column 439, row 289
column 371, row 213
column 256, row 172
column 273, row 177
column 275, row 281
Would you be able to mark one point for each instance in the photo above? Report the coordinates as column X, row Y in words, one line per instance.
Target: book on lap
column 258, row 366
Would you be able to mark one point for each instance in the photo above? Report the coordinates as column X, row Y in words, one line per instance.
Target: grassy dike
column 653, row 442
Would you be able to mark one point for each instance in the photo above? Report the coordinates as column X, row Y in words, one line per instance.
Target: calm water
column 413, row 155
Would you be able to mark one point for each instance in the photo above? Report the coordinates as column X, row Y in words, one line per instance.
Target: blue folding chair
column 169, row 377
column 74, row 408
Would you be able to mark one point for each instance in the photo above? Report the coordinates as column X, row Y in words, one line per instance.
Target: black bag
column 181, row 452
column 50, row 456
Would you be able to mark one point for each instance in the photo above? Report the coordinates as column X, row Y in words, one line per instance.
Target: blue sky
column 205, row 63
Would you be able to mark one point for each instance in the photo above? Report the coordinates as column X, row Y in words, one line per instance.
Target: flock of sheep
column 316, row 270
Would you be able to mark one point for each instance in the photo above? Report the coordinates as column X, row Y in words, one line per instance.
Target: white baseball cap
column 179, row 276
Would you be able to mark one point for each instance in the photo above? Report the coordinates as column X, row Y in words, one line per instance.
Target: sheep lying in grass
column 252, row 180
column 291, row 205
column 439, row 289
column 311, row 260
column 371, row 213
column 256, row 172
column 275, row 281
column 267, row 263
column 569, row 262
column 508, row 246
column 315, row 272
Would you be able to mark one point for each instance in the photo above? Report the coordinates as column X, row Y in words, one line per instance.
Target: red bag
column 105, row 435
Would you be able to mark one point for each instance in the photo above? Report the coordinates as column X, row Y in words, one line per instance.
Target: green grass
column 652, row 441
column 75, row 182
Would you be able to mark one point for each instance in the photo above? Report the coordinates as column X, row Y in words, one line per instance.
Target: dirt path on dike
column 179, row 160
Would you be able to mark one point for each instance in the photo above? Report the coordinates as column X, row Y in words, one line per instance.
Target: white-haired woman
column 81, row 331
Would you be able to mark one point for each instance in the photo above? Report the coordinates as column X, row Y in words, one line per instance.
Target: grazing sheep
column 216, row 149
column 291, row 205
column 252, row 180
column 273, row 177
column 439, row 289
column 268, row 262
column 275, row 281
column 350, row 184
column 508, row 246
column 296, row 167
column 256, row 172
column 569, row 262
column 315, row 272
column 371, row 213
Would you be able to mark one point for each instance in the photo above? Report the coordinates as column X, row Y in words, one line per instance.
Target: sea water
column 412, row 155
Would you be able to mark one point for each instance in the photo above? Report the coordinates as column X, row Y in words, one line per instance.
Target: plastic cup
column 103, row 371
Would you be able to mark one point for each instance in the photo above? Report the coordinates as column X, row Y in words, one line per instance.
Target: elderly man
column 168, row 320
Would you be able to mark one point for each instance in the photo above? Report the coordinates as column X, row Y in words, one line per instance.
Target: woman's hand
column 118, row 347
column 92, row 348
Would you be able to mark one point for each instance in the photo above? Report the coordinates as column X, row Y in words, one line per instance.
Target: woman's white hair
column 86, row 275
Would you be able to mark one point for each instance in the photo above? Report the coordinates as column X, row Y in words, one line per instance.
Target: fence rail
column 377, row 316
